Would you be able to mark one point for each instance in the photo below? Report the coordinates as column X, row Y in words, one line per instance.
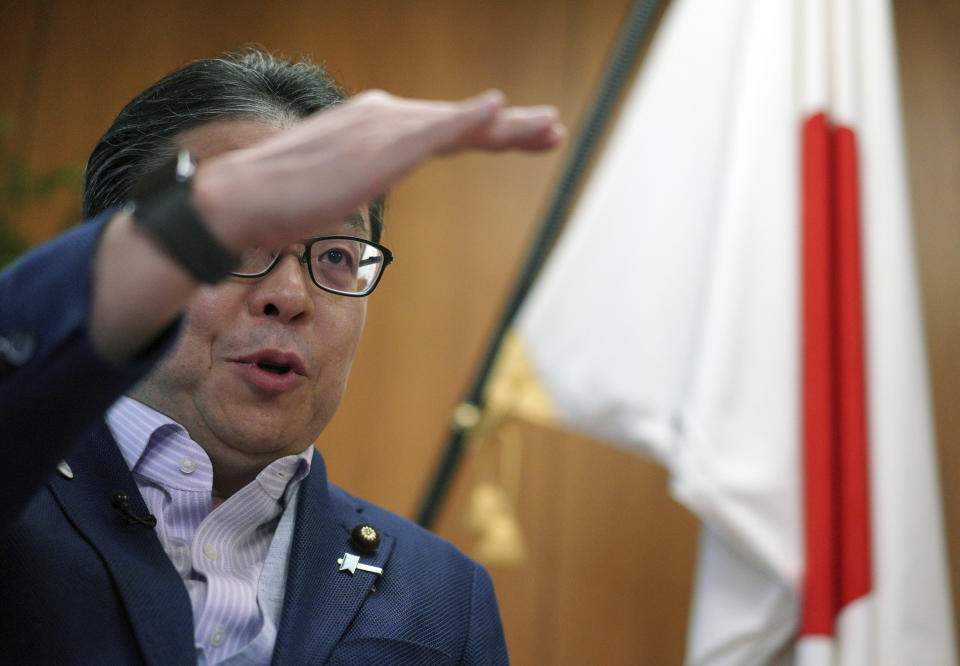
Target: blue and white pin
column 350, row 562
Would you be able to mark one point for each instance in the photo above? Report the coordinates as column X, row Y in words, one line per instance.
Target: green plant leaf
column 19, row 186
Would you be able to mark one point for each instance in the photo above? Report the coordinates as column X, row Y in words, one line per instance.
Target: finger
column 523, row 128
column 482, row 107
column 455, row 124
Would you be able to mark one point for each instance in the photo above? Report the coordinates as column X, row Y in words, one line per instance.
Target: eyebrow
column 357, row 222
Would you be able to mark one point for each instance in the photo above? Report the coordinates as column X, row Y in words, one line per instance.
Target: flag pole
column 631, row 41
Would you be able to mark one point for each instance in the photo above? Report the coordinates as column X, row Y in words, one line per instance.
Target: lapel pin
column 350, row 562
column 365, row 538
column 64, row 469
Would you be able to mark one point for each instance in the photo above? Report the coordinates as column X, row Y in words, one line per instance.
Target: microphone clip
column 121, row 502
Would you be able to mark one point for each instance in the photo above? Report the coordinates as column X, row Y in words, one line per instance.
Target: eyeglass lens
column 345, row 264
column 342, row 264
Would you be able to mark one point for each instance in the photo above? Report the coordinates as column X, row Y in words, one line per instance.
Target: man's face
column 221, row 381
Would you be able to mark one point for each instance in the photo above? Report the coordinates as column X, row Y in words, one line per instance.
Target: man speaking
column 166, row 367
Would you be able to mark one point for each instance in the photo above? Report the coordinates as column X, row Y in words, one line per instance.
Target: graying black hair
column 243, row 84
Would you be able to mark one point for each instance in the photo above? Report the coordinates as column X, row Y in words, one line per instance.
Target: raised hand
column 328, row 165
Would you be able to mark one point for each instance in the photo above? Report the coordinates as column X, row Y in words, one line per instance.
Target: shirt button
column 210, row 552
column 217, row 637
column 188, row 465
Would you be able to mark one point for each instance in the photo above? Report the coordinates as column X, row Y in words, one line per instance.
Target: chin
column 269, row 437
column 266, row 444
column 267, row 427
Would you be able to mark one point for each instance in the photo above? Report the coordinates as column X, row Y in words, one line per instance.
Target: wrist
column 163, row 204
column 214, row 196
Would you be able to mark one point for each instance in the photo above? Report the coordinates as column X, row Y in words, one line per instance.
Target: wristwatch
column 160, row 203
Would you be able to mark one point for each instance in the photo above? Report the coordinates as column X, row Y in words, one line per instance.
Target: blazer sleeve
column 485, row 643
column 54, row 387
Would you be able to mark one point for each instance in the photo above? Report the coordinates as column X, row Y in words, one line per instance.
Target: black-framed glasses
column 343, row 265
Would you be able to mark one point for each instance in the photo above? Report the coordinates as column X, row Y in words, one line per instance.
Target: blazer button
column 365, row 538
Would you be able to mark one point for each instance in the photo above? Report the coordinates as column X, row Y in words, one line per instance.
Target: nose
column 284, row 293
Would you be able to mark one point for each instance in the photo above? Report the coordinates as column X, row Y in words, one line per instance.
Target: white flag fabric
column 735, row 295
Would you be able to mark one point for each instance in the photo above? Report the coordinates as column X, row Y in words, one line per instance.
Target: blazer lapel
column 151, row 590
column 321, row 601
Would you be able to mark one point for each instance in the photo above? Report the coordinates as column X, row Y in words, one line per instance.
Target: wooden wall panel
column 929, row 54
column 19, row 75
column 610, row 555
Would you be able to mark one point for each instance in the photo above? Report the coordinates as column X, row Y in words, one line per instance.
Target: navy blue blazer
column 79, row 586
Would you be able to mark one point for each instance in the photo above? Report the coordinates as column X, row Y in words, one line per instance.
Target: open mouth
column 272, row 370
column 275, row 368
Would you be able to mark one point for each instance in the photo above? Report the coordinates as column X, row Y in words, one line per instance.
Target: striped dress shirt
column 220, row 552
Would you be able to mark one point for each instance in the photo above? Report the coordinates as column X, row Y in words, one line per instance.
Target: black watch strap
column 160, row 203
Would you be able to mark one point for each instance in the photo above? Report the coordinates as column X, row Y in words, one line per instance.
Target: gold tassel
column 491, row 513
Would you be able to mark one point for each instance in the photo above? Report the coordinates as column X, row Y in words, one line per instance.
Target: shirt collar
column 282, row 475
column 137, row 427
column 146, row 437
